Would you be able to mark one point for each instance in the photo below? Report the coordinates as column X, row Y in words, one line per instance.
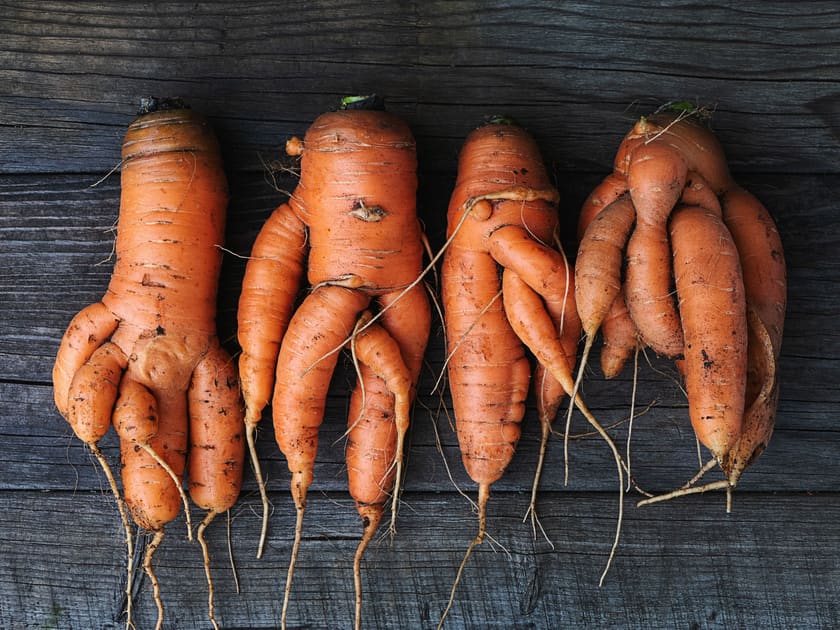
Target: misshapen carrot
column 656, row 178
column 159, row 309
column 351, row 223
column 762, row 258
column 672, row 159
column 599, row 269
column 657, row 156
column 598, row 265
column 379, row 413
column 502, row 216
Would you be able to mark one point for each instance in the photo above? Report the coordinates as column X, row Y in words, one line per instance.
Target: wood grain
column 520, row 582
column 576, row 74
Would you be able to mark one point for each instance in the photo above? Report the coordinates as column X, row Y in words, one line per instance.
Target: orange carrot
column 763, row 264
column 352, row 224
column 599, row 263
column 710, row 289
column 611, row 188
column 762, row 258
column 136, row 421
column 621, row 339
column 158, row 311
column 379, row 413
column 656, row 178
column 269, row 288
column 502, row 214
column 656, row 157
column 217, row 449
column 728, row 268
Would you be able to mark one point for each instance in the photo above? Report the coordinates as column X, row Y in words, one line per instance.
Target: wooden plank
column 669, row 569
column 575, row 74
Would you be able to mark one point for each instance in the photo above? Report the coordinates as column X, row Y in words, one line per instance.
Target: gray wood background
column 576, row 74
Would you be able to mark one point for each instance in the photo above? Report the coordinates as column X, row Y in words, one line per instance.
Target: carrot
column 665, row 158
column 611, row 188
column 598, row 267
column 680, row 131
column 728, row 268
column 269, row 289
column 379, row 413
column 762, row 258
column 136, row 421
column 156, row 322
column 763, row 264
column 621, row 339
column 217, row 450
column 709, row 283
column 762, row 396
column 502, row 214
column 656, row 157
column 656, row 178
column 352, row 224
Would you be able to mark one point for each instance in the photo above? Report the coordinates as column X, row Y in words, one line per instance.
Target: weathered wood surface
column 575, row 74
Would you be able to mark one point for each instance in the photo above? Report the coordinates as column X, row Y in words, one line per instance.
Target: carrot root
column 250, row 431
column 147, row 567
column 681, row 492
column 300, row 508
column 545, row 426
column 371, row 516
column 129, row 538
column 483, row 497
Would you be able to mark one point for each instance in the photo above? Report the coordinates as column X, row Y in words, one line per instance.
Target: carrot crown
column 149, row 104
column 499, row 119
column 368, row 102
column 685, row 108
